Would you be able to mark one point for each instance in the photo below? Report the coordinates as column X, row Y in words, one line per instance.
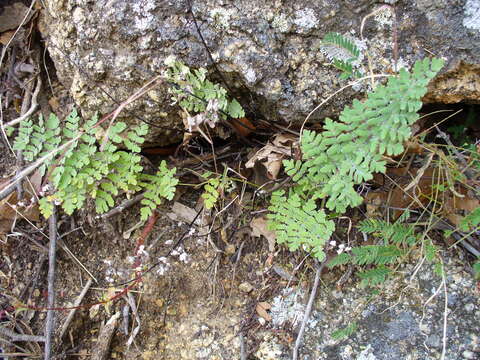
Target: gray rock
column 269, row 52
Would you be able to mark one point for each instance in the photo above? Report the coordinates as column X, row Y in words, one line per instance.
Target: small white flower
column 169, row 242
column 333, row 243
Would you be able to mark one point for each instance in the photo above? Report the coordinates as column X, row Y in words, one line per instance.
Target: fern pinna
column 350, row 150
column 90, row 170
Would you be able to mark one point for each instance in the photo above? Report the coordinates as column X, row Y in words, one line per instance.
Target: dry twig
column 50, row 323
column 72, row 312
column 308, row 310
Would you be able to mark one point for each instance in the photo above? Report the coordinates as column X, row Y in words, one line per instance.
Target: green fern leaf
column 375, row 276
column 333, row 38
column 161, row 186
column 299, row 224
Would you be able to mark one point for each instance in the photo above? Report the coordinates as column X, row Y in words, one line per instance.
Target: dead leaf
column 272, row 155
column 262, row 310
column 6, row 36
column 260, row 228
column 12, row 16
column 184, row 213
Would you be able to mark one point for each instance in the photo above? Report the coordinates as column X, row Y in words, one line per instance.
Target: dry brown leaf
column 6, row 36
column 262, row 310
column 272, row 154
column 260, row 228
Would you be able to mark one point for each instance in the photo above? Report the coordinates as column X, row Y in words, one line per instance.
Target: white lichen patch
column 305, row 19
column 384, row 17
column 144, row 19
column 222, row 16
column 250, row 76
column 287, row 308
column 472, row 14
column 281, row 23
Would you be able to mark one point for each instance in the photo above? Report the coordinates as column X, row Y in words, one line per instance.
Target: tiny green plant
column 88, row 169
column 345, row 332
column 346, row 66
column 195, row 93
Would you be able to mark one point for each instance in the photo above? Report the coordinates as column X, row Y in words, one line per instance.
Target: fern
column 349, row 151
column 36, row 140
column 162, row 185
column 211, row 194
column 344, row 65
column 345, row 332
column 299, row 224
column 339, row 40
column 374, row 276
column 196, row 94
column 90, row 170
column 391, row 233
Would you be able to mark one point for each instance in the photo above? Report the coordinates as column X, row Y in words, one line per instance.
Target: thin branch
column 32, row 108
column 72, row 312
column 308, row 310
column 50, row 322
column 14, row 337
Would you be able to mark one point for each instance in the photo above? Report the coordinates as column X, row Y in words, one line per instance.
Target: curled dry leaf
column 259, row 227
column 11, row 208
column 271, row 155
column 262, row 310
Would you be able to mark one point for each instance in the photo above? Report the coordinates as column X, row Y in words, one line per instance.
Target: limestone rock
column 270, row 52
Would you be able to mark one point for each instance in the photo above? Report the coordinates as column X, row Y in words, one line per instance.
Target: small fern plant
column 348, row 152
column 91, row 170
column 195, row 93
column 350, row 55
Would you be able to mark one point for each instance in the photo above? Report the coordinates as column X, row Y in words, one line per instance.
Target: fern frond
column 345, row 332
column 397, row 233
column 333, row 38
column 374, row 276
column 202, row 96
column 299, row 224
column 375, row 254
column 340, row 259
column 161, row 186
column 350, row 150
column 211, row 194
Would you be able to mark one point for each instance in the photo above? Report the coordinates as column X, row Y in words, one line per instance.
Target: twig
column 243, row 351
column 123, row 206
column 72, row 312
column 32, row 108
column 7, row 190
column 13, row 336
column 102, row 347
column 445, row 315
column 313, row 293
column 50, row 323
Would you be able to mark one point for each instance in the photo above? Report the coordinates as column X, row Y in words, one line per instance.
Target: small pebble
column 245, row 287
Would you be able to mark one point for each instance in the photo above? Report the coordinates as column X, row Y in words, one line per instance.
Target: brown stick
column 102, row 347
column 72, row 312
column 50, row 322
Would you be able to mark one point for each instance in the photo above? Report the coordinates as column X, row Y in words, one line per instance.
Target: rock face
column 269, row 51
